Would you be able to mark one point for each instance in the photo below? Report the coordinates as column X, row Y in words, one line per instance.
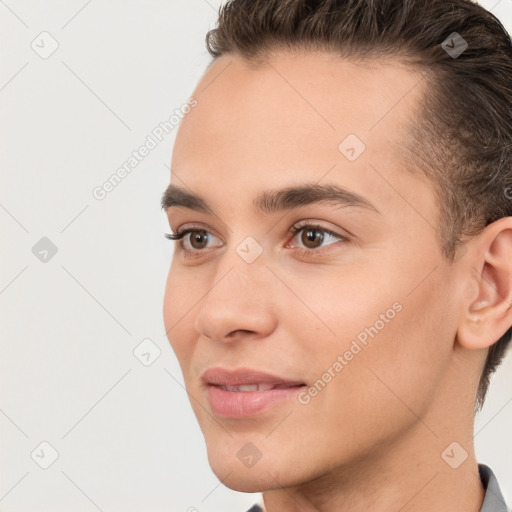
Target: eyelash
column 297, row 228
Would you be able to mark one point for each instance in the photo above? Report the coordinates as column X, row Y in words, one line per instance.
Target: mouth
column 244, row 388
column 240, row 377
column 245, row 393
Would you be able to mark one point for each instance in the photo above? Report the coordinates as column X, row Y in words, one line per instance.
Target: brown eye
column 312, row 238
column 198, row 239
column 194, row 241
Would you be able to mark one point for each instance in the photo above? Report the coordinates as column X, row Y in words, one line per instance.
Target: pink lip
column 243, row 404
column 223, row 377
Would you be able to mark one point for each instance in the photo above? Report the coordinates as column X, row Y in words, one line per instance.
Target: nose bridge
column 242, row 267
column 238, row 298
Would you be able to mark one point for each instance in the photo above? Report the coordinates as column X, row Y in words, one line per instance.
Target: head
column 359, row 125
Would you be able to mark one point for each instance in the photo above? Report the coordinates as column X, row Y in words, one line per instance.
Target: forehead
column 290, row 119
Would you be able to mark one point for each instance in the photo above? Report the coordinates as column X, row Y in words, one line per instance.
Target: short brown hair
column 462, row 138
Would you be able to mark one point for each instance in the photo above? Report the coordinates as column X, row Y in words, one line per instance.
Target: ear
column 487, row 315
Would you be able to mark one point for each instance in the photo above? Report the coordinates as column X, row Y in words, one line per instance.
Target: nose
column 238, row 305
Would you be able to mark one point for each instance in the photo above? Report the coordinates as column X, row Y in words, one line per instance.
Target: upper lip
column 243, row 376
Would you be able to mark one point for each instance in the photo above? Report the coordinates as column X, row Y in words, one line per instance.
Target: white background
column 125, row 433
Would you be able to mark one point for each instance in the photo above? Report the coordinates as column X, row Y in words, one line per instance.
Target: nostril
column 234, row 333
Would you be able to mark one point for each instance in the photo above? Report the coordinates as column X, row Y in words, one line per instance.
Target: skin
column 372, row 439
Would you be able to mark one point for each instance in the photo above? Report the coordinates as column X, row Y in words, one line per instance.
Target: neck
column 409, row 475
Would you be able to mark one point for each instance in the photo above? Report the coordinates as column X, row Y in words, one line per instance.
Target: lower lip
column 243, row 404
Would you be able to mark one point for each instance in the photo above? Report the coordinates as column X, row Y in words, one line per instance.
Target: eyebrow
column 270, row 201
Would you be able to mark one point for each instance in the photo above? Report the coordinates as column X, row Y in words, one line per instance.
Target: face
column 333, row 304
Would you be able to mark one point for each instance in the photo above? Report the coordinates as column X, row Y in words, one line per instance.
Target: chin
column 268, row 473
column 230, row 468
column 248, row 482
column 241, row 479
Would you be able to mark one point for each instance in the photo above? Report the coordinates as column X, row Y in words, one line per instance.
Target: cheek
column 171, row 306
column 180, row 296
column 381, row 323
column 338, row 306
column 399, row 346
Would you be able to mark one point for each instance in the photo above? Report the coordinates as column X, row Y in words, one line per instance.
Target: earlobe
column 488, row 313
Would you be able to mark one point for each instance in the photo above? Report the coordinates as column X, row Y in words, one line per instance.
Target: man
column 341, row 286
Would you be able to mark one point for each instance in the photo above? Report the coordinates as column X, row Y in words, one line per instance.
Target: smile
column 244, row 392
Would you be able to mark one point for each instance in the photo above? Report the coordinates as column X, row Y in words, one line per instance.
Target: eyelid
column 297, row 226
column 183, row 232
column 310, row 223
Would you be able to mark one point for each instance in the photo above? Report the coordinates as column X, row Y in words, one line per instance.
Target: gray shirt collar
column 493, row 501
